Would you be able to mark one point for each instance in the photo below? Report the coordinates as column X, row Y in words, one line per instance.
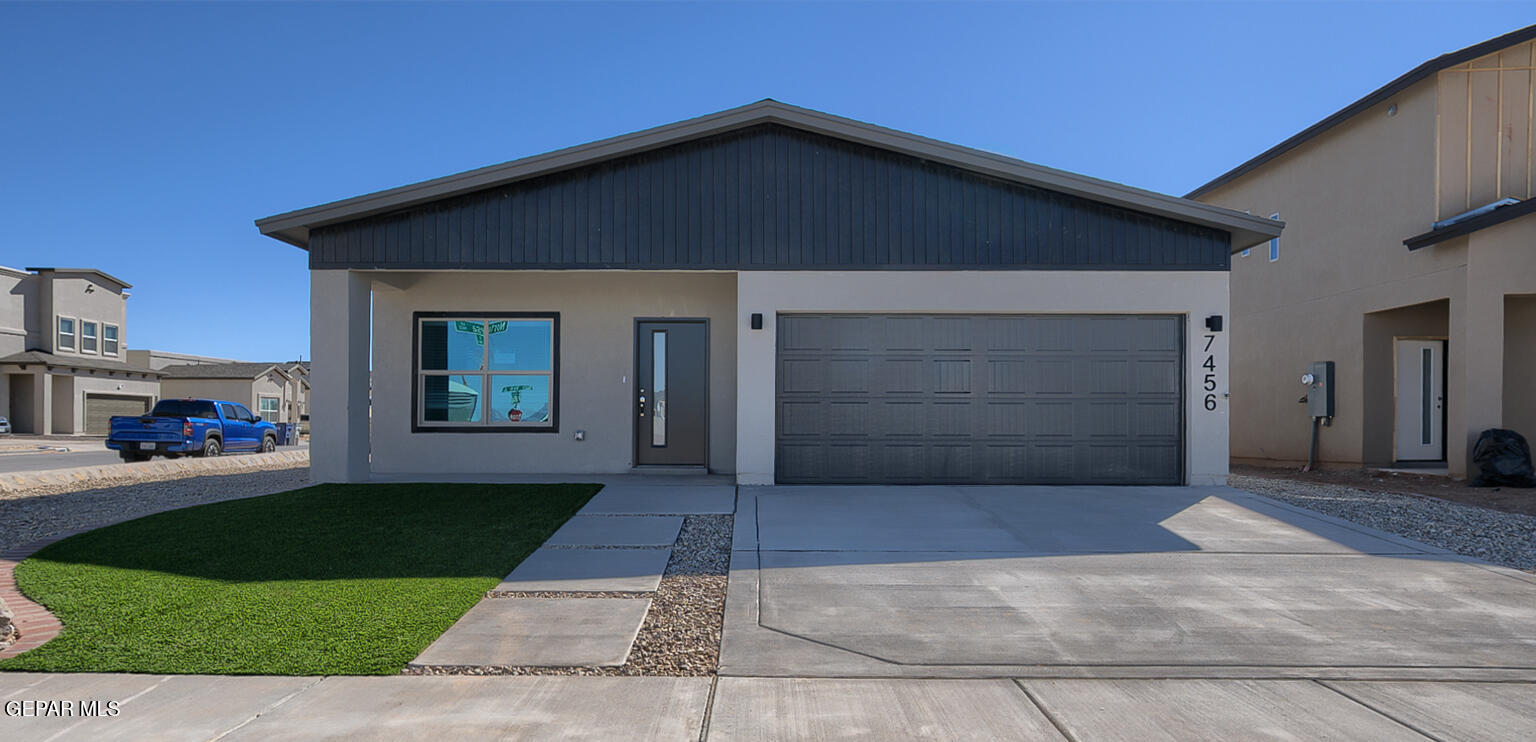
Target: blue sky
column 143, row 139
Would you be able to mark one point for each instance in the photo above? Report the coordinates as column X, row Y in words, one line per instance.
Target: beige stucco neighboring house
column 63, row 367
column 1409, row 260
column 268, row 389
column 777, row 294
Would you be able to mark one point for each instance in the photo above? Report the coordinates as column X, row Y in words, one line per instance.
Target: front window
column 87, row 337
column 486, row 372
column 269, row 407
column 109, row 339
column 66, row 334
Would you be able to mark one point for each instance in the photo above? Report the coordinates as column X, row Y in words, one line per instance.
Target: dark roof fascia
column 1411, row 78
column 85, row 271
column 1246, row 230
column 1484, row 221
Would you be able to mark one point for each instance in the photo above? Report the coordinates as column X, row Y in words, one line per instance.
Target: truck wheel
column 129, row 457
column 268, row 444
column 211, row 448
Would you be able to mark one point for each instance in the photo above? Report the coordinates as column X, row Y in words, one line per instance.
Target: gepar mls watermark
column 61, row 708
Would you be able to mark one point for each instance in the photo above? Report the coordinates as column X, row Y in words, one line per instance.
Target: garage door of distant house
column 99, row 408
column 1037, row 399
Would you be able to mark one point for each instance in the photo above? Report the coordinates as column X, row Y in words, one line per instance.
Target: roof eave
column 1403, row 82
column 293, row 227
column 1493, row 218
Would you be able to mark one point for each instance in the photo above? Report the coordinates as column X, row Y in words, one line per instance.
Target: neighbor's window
column 1274, row 244
column 66, row 333
column 486, row 372
column 109, row 339
column 87, row 337
column 268, row 408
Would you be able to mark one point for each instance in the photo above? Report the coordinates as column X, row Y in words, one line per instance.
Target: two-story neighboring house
column 1409, row 260
column 63, row 362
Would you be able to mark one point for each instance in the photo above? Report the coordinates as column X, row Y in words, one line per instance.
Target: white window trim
column 58, row 333
column 116, row 342
column 95, row 337
column 278, row 412
column 486, row 421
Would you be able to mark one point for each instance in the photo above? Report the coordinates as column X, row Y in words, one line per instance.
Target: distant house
column 63, row 367
column 275, row 391
column 158, row 359
column 1409, row 260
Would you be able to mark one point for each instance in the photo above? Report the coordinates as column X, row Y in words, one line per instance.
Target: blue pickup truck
column 192, row 427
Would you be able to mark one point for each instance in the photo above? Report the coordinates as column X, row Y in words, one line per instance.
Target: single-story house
column 778, row 294
column 1409, row 261
column 267, row 389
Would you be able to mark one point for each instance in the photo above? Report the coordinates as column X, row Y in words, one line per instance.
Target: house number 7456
column 1210, row 374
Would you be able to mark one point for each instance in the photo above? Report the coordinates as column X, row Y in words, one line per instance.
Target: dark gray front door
column 1032, row 399
column 671, row 392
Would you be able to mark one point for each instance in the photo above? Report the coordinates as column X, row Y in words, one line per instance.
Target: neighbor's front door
column 1420, row 400
column 671, row 392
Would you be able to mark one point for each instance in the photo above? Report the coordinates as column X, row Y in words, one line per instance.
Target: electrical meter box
column 1319, row 381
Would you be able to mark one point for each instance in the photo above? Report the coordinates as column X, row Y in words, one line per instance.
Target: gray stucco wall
column 597, row 315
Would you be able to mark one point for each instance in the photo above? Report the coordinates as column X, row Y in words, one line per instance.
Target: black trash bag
column 1503, row 459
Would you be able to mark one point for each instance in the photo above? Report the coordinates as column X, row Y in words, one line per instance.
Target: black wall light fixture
column 757, row 321
column 1213, row 323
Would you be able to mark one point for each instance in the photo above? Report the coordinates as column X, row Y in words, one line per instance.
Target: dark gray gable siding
column 769, row 198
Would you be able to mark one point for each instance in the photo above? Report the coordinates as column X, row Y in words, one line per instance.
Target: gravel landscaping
column 681, row 632
column 1503, row 538
column 50, row 510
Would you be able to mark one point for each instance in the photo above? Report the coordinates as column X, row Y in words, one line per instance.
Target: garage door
column 99, row 408
column 1039, row 399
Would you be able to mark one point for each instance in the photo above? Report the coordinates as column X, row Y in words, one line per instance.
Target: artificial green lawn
column 334, row 579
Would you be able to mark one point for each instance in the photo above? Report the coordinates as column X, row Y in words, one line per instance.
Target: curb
column 144, row 471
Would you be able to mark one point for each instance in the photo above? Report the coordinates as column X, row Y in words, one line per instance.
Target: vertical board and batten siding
column 771, row 198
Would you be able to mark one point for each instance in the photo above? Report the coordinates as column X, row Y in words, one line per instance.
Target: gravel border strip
column 1506, row 539
column 681, row 633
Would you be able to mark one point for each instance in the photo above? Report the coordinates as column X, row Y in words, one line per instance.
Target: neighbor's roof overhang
column 100, row 276
column 1476, row 223
column 1247, row 230
column 1408, row 80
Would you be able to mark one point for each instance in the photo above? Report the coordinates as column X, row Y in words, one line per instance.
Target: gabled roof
column 221, row 370
column 92, row 272
column 1409, row 79
column 71, row 361
column 293, row 227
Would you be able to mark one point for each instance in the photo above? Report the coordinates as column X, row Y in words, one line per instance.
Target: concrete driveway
column 1104, row 582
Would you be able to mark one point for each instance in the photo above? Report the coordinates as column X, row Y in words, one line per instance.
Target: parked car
column 195, row 427
column 5, row 426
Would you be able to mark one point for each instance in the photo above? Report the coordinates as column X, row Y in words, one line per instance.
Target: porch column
column 339, row 325
column 42, row 402
column 1482, row 344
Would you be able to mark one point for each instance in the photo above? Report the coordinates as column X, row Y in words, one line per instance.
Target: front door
column 1420, row 400
column 671, row 392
